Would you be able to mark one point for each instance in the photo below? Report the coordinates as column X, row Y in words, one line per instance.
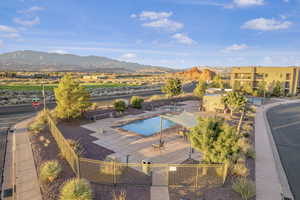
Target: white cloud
column 1, row 44
column 34, row 21
column 264, row 24
column 133, row 16
column 235, row 47
column 32, row 9
column 159, row 20
column 11, row 35
column 145, row 15
column 183, row 39
column 8, row 29
column 128, row 56
column 165, row 24
column 247, row 3
column 59, row 51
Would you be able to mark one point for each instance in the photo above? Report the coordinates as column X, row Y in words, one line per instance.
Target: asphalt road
column 23, row 109
column 285, row 125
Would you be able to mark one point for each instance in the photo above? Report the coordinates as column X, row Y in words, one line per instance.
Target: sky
column 171, row 33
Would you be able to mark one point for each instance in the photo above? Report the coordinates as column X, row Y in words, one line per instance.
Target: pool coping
column 132, row 133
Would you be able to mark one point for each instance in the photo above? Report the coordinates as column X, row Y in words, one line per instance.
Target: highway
column 285, row 126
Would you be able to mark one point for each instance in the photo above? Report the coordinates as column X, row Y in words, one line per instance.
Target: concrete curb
column 278, row 180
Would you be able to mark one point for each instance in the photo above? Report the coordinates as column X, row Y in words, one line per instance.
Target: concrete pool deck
column 140, row 148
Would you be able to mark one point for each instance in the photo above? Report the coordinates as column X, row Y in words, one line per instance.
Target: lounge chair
column 159, row 146
column 100, row 131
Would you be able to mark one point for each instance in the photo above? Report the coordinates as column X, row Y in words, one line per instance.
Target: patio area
column 138, row 148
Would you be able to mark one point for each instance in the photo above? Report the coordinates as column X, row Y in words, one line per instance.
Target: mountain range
column 28, row 60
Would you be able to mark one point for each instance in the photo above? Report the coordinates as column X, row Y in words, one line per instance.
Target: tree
column 173, row 87
column 120, row 105
column 235, row 101
column 136, row 102
column 262, row 88
column 71, row 98
column 278, row 89
column 217, row 82
column 216, row 140
column 247, row 89
column 200, row 89
column 236, row 86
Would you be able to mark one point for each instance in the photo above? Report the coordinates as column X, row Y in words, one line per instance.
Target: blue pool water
column 148, row 126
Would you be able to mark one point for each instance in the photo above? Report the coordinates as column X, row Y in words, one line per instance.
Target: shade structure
column 185, row 119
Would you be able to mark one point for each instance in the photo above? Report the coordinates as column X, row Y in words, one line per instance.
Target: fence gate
column 160, row 175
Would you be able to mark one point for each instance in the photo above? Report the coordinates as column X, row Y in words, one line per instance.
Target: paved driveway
column 285, row 125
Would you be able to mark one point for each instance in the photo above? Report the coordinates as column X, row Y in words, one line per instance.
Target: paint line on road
column 286, row 125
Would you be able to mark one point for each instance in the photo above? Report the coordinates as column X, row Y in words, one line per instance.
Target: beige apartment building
column 288, row 76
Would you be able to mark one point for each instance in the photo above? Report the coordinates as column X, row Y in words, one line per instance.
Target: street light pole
column 44, row 97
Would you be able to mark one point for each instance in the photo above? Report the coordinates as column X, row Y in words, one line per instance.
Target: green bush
column 136, row 102
column 77, row 189
column 245, row 187
column 120, row 105
column 50, row 170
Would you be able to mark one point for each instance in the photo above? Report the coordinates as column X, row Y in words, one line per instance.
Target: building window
column 259, row 76
column 287, row 85
column 288, row 76
column 242, row 76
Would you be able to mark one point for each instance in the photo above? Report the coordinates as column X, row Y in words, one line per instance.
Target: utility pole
column 44, row 97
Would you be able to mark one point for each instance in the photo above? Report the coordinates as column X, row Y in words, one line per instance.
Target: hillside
column 43, row 61
column 195, row 74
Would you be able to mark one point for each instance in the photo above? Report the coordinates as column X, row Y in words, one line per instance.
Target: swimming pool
column 147, row 127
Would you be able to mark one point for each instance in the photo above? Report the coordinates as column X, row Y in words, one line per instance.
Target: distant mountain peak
column 28, row 60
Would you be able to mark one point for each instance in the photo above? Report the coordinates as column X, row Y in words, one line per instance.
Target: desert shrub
column 245, row 187
column 94, row 106
column 120, row 105
column 39, row 122
column 36, row 127
column 246, row 134
column 244, row 145
column 120, row 196
column 136, row 102
column 77, row 146
column 240, row 169
column 50, row 170
column 251, row 153
column 78, row 189
column 156, row 97
column 247, row 127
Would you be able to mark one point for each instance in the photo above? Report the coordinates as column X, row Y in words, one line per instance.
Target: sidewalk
column 7, row 185
column 27, row 184
column 270, row 177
